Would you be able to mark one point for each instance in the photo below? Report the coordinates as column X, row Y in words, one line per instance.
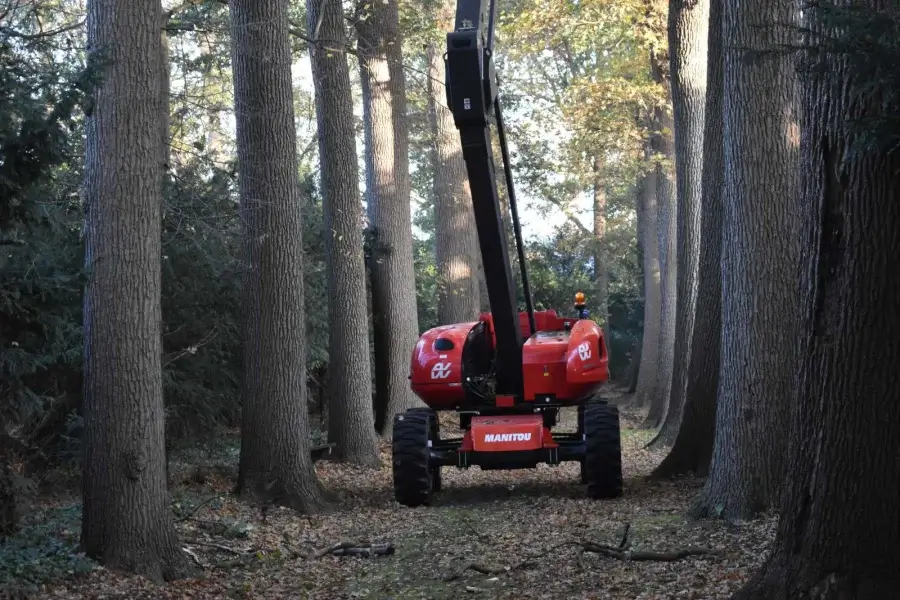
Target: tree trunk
column 692, row 448
column 601, row 275
column 663, row 145
column 395, row 319
column 351, row 425
column 839, row 534
column 647, row 370
column 456, row 242
column 126, row 522
column 275, row 464
column 688, row 43
column 760, row 298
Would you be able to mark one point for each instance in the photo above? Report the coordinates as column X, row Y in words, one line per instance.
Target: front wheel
column 414, row 478
column 602, row 464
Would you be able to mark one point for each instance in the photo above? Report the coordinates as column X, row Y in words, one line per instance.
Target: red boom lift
column 506, row 389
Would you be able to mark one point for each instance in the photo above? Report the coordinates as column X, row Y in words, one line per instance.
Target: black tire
column 603, row 454
column 433, row 435
column 581, row 433
column 413, row 479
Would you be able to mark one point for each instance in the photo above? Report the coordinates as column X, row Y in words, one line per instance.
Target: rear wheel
column 602, row 465
column 414, row 479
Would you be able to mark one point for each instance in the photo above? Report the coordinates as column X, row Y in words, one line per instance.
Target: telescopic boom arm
column 471, row 85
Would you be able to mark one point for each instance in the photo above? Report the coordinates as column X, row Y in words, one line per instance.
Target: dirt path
column 497, row 519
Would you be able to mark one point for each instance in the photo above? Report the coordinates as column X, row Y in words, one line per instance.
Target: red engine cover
column 568, row 365
column 436, row 366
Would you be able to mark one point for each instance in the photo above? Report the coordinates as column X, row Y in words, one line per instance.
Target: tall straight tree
column 456, row 243
column 692, row 449
column 126, row 522
column 275, row 462
column 688, row 42
column 601, row 270
column 760, row 296
column 395, row 318
column 655, row 380
column 839, row 533
column 350, row 417
column 666, row 232
column 646, row 201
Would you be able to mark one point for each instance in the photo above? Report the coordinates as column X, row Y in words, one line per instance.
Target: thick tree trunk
column 601, row 274
column 839, row 534
column 760, row 298
column 692, row 448
column 126, row 522
column 667, row 214
column 647, row 370
column 351, row 425
column 688, row 42
column 395, row 318
column 275, row 464
column 456, row 242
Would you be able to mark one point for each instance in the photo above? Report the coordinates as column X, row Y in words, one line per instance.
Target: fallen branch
column 486, row 570
column 221, row 547
column 351, row 549
column 619, row 553
column 645, row 555
column 198, row 507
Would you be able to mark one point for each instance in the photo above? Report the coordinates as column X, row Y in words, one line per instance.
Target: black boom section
column 471, row 91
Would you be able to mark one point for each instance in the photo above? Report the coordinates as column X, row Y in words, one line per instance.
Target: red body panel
column 568, row 365
column 436, row 375
column 508, row 433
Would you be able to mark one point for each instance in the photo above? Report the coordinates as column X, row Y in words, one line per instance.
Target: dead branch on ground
column 354, row 549
column 618, row 552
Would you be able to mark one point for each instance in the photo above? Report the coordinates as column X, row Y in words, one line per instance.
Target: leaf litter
column 487, row 534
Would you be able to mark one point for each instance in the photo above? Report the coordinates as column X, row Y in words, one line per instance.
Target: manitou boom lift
column 508, row 373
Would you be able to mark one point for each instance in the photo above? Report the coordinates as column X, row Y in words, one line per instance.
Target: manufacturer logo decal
column 584, row 350
column 491, row 438
column 441, row 370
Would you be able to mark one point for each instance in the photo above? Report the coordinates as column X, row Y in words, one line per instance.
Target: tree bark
column 760, row 297
column 662, row 146
column 351, row 425
column 275, row 464
column 456, row 242
column 395, row 319
column 688, row 43
column 126, row 522
column 839, row 533
column 692, row 448
column 601, row 274
column 647, row 370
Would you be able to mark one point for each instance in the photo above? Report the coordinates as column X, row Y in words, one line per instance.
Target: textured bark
column 692, row 448
column 275, row 463
column 395, row 319
column 666, row 216
column 760, row 296
column 601, row 274
column 646, row 199
column 839, row 533
column 126, row 522
column 456, row 242
column 688, row 42
column 351, row 425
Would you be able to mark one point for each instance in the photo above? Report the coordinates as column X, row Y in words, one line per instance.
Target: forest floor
column 493, row 534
